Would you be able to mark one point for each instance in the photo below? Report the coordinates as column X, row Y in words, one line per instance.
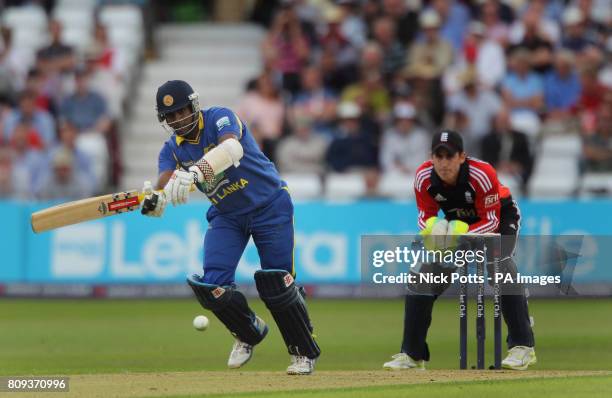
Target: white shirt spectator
column 479, row 108
column 490, row 63
column 404, row 146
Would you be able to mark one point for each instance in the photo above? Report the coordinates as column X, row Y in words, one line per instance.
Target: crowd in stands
column 58, row 110
column 361, row 85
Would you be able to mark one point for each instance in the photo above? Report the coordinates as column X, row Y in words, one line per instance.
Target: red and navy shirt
column 475, row 199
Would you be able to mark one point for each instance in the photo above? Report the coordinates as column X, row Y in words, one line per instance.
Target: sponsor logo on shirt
column 440, row 198
column 224, row 121
column 464, row 213
column 490, row 200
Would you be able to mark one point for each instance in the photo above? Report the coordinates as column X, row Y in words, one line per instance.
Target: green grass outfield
column 119, row 337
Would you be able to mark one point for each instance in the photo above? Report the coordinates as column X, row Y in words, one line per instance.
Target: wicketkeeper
column 213, row 150
column 473, row 201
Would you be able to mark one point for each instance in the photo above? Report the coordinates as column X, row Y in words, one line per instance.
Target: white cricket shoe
column 300, row 365
column 403, row 361
column 241, row 353
column 519, row 358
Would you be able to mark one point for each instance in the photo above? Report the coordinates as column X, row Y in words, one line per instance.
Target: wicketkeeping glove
column 434, row 234
column 456, row 229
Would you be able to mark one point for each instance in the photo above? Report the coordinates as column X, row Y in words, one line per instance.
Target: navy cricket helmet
column 172, row 96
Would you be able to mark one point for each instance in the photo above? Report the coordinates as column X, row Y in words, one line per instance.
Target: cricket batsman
column 213, row 150
column 473, row 201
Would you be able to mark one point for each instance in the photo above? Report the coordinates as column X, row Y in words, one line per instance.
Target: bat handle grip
column 149, row 204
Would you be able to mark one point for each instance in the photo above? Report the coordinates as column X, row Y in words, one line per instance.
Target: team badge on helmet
column 168, row 100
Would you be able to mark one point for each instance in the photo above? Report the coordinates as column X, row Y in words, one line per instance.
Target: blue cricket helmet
column 172, row 96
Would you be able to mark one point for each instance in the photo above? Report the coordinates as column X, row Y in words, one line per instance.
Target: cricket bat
column 90, row 209
column 85, row 210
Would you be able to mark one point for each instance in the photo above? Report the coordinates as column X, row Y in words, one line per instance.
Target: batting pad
column 230, row 307
column 285, row 301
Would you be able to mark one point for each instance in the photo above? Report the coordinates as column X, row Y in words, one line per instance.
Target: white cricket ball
column 200, row 322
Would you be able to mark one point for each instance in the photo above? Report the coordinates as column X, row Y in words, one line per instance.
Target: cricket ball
column 200, row 322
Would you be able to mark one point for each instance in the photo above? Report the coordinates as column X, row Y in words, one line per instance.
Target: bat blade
column 85, row 210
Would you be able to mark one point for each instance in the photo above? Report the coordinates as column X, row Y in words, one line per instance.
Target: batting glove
column 178, row 187
column 154, row 202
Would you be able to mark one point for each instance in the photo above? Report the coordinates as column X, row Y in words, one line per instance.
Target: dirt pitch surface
column 230, row 382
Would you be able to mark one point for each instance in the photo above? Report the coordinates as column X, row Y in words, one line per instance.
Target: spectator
column 64, row 181
column 597, row 12
column 14, row 64
column 427, row 94
column 561, row 92
column 104, row 55
column 406, row 20
column 551, row 10
column 455, row 18
column 371, row 10
column 597, row 148
column 508, row 150
column 335, row 75
column 486, row 55
column 605, row 74
column 108, row 70
column 86, row 109
column 534, row 28
column 370, row 92
column 24, row 133
column 68, row 135
column 352, row 24
column 34, row 83
column 383, row 31
column 6, row 174
column 404, row 145
column 479, row 105
column 433, row 53
column 40, row 121
column 302, row 152
column 574, row 31
column 352, row 149
column 263, row 110
column 522, row 90
column 591, row 98
column 315, row 102
column 334, row 41
column 30, row 162
column 58, row 57
column 286, row 48
column 495, row 28
column 537, row 35
column 597, row 16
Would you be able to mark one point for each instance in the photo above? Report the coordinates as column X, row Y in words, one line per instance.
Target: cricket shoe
column 241, row 351
column 403, row 361
column 519, row 358
column 300, row 365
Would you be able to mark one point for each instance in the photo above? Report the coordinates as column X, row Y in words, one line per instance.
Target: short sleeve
column 167, row 161
column 226, row 122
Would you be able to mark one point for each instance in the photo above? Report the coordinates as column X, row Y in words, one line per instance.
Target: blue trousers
column 271, row 227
